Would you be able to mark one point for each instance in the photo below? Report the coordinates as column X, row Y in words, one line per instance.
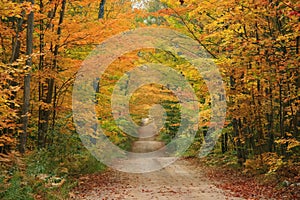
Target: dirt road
column 183, row 180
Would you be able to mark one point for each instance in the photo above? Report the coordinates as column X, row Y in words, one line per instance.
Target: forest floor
column 180, row 180
column 184, row 179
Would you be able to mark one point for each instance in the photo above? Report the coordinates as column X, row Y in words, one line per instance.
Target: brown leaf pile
column 249, row 187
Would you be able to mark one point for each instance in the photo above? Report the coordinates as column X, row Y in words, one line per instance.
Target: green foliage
column 16, row 188
column 216, row 158
column 79, row 53
column 193, row 150
column 116, row 135
column 61, row 162
column 72, row 160
column 173, row 120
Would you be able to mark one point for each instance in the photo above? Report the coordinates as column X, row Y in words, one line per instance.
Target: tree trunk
column 101, row 9
column 238, row 143
column 224, row 142
column 44, row 117
column 26, row 96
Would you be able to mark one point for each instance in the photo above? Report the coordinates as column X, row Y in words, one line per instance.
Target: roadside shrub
column 15, row 188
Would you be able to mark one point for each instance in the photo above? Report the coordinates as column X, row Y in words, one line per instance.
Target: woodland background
column 256, row 45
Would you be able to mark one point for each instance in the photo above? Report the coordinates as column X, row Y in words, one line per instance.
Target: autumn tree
column 256, row 45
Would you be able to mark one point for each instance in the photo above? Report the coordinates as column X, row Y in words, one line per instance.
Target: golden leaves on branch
column 6, row 140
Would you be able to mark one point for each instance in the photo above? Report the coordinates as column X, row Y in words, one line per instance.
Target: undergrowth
column 48, row 173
